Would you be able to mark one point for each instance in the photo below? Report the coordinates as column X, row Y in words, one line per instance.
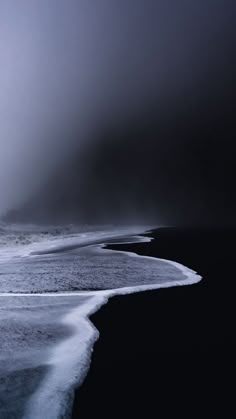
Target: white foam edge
column 70, row 359
column 69, row 362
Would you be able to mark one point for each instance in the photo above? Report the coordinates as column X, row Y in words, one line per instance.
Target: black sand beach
column 170, row 352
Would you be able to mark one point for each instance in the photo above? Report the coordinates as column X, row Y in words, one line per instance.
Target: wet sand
column 169, row 352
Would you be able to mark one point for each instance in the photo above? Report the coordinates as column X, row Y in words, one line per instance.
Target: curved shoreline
column 70, row 359
column 80, row 318
column 169, row 353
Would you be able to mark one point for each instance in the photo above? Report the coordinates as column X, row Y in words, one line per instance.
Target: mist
column 116, row 110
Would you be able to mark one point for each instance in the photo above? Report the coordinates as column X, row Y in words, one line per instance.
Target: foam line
column 70, row 359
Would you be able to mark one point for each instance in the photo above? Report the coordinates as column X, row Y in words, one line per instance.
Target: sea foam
column 69, row 359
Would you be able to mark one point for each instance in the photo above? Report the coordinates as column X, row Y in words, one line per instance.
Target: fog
column 83, row 81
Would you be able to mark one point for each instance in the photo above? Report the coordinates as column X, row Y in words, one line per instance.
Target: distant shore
column 170, row 352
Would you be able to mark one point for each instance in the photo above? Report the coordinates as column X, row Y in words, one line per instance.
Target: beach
column 169, row 352
column 50, row 286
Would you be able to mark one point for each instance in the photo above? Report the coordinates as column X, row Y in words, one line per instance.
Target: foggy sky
column 77, row 77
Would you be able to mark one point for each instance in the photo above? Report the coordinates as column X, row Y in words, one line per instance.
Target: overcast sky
column 68, row 66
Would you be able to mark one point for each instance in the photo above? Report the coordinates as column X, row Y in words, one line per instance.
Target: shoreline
column 69, row 359
column 139, row 330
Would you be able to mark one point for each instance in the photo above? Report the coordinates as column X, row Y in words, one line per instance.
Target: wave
column 70, row 358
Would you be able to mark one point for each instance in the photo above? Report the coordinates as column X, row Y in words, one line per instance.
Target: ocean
column 51, row 280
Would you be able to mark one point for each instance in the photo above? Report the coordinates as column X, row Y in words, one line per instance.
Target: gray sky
column 66, row 66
